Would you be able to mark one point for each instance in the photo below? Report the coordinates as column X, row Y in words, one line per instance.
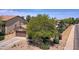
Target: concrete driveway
column 9, row 43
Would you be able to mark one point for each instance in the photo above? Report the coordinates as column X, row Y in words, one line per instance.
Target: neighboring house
column 11, row 24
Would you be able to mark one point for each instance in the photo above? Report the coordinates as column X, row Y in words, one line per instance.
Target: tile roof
column 6, row 18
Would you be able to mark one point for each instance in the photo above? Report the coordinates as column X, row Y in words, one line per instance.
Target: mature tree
column 69, row 21
column 41, row 28
column 61, row 26
column 28, row 18
column 76, row 20
column 64, row 23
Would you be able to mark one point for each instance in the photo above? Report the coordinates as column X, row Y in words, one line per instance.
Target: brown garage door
column 21, row 33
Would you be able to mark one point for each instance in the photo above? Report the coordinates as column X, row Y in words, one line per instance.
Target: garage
column 21, row 33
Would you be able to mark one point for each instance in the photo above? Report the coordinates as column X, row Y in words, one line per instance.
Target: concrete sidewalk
column 70, row 41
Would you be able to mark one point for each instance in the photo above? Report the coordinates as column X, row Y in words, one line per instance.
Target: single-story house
column 12, row 24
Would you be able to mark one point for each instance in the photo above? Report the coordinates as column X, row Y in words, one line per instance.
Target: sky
column 57, row 13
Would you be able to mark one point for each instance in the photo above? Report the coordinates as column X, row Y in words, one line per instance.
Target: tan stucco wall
column 70, row 41
column 10, row 36
column 65, row 35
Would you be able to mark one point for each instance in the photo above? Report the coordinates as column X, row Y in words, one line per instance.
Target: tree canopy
column 41, row 27
column 28, row 18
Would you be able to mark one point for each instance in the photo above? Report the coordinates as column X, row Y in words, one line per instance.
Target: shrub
column 1, row 38
column 56, row 41
column 1, row 34
column 44, row 46
column 40, row 29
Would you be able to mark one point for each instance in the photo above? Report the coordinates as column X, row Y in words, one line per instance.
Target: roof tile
column 6, row 18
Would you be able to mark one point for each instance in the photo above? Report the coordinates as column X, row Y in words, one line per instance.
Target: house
column 12, row 24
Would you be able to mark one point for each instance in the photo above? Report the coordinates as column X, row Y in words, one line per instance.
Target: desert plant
column 40, row 29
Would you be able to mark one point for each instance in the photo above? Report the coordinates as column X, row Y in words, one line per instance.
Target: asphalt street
column 76, row 37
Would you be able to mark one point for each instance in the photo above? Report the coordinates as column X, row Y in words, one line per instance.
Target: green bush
column 1, row 38
column 56, row 41
column 1, row 34
column 44, row 46
column 40, row 29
